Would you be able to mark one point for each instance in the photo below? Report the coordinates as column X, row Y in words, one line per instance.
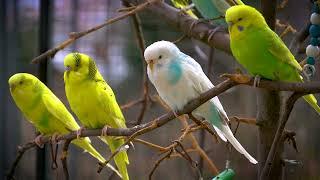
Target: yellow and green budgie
column 46, row 112
column 260, row 50
column 94, row 102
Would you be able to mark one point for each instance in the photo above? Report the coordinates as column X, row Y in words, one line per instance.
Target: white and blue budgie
column 178, row 79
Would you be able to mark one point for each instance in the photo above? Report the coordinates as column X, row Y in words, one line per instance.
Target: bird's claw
column 132, row 145
column 104, row 131
column 38, row 141
column 212, row 32
column 175, row 113
column 79, row 132
column 185, row 9
column 54, row 138
column 256, row 81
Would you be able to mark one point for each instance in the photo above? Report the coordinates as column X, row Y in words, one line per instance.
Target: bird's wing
column 280, row 51
column 221, row 6
column 195, row 74
column 59, row 111
column 110, row 105
column 201, row 82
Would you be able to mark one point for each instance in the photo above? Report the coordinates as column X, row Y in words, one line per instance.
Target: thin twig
column 276, row 141
column 131, row 104
column 154, row 146
column 21, row 151
column 251, row 121
column 142, row 46
column 195, row 145
column 158, row 163
column 64, row 159
column 76, row 35
column 54, row 154
column 179, row 39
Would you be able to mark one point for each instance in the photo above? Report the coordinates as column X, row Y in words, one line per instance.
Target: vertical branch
column 64, row 159
column 268, row 108
column 269, row 165
column 142, row 46
column 21, row 151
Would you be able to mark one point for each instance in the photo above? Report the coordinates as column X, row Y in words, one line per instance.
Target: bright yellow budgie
column 260, row 50
column 46, row 112
column 94, row 102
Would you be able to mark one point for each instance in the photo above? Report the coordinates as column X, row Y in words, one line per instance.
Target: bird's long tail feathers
column 121, row 159
column 85, row 144
column 220, row 134
column 312, row 101
column 229, row 135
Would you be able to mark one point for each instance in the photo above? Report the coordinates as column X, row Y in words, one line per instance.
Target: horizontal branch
column 200, row 30
column 299, row 87
column 234, row 80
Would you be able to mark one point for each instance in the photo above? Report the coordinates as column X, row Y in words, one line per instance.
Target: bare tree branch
column 277, row 139
column 193, row 28
column 76, row 35
column 64, row 159
column 145, row 85
column 234, row 80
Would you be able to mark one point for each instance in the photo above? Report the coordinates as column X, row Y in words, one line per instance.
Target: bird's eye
column 20, row 82
column 160, row 57
column 239, row 19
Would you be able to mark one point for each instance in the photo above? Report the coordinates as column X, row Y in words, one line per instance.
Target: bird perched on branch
column 178, row 79
column 46, row 112
column 260, row 50
column 94, row 102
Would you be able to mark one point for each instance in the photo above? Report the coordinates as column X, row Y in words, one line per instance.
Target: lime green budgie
column 94, row 102
column 260, row 50
column 46, row 112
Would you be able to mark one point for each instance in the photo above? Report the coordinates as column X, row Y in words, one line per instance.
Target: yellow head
column 242, row 17
column 22, row 83
column 79, row 66
column 24, row 88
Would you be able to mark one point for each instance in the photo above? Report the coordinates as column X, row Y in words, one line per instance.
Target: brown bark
column 268, row 111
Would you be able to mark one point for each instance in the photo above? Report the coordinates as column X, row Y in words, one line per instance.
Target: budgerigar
column 260, row 50
column 178, row 79
column 45, row 111
column 94, row 102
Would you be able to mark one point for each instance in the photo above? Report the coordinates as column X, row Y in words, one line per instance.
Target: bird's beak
column 150, row 64
column 12, row 87
column 68, row 68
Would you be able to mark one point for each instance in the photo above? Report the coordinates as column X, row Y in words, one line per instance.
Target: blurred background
column 24, row 33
